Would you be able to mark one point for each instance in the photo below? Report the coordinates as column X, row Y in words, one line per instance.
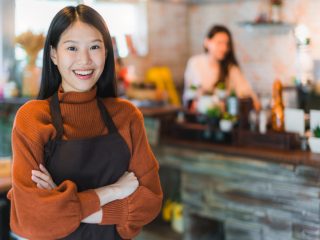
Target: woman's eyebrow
column 97, row 40
column 72, row 41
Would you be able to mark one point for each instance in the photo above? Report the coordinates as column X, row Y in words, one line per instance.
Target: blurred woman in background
column 217, row 67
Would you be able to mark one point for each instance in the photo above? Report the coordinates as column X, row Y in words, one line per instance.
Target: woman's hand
column 94, row 218
column 124, row 187
column 43, row 178
column 127, row 184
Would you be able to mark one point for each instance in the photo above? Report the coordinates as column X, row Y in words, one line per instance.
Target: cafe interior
column 229, row 91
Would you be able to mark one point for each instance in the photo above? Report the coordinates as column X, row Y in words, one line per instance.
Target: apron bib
column 90, row 163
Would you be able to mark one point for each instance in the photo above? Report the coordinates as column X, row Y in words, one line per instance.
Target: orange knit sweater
column 44, row 214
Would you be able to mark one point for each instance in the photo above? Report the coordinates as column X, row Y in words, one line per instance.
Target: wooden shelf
column 280, row 25
column 5, row 171
column 14, row 101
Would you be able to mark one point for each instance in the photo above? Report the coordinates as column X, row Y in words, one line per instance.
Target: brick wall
column 168, row 39
column 265, row 53
column 176, row 32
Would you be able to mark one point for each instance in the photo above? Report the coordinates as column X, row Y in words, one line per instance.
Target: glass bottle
column 277, row 111
column 233, row 104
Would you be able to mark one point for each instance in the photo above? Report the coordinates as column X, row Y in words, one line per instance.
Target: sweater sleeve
column 140, row 208
column 38, row 213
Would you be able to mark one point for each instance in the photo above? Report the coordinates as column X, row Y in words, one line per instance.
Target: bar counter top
column 294, row 157
column 5, row 170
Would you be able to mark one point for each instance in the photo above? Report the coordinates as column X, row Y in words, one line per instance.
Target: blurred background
column 238, row 174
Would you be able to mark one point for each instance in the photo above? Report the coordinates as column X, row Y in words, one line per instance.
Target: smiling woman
column 80, row 57
column 81, row 158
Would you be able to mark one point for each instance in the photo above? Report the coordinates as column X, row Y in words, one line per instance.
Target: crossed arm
column 123, row 188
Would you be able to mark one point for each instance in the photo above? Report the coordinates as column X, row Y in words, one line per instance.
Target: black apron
column 90, row 163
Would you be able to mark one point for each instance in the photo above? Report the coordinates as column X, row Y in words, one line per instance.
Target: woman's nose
column 84, row 57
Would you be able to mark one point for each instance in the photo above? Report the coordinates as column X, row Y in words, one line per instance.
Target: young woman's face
column 80, row 57
column 218, row 45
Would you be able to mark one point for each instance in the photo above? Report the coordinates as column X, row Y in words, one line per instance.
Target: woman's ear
column 53, row 55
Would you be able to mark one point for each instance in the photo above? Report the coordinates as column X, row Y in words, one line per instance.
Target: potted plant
column 227, row 122
column 314, row 140
column 205, row 102
column 221, row 90
column 213, row 116
column 190, row 95
column 32, row 44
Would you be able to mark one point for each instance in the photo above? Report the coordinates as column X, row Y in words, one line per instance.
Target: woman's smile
column 84, row 74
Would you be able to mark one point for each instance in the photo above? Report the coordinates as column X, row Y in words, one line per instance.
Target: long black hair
column 230, row 58
column 51, row 78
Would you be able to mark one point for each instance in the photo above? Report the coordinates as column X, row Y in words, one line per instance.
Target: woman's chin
column 220, row 58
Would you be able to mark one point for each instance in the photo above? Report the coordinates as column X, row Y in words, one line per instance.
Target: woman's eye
column 72, row 48
column 95, row 47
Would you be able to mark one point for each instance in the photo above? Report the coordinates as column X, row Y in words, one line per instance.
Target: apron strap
column 57, row 119
column 56, row 115
column 106, row 117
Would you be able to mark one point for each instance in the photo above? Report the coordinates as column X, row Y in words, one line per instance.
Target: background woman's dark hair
column 230, row 58
column 51, row 78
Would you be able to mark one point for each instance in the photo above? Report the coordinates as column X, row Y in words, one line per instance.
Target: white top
column 201, row 73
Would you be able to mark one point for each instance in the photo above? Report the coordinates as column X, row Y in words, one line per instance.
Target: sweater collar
column 77, row 97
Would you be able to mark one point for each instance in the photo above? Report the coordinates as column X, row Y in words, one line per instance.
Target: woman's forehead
column 221, row 36
column 81, row 32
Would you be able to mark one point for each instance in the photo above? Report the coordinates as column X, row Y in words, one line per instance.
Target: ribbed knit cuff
column 90, row 203
column 115, row 212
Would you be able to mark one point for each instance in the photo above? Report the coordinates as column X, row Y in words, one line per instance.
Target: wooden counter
column 5, row 184
column 256, row 194
column 159, row 111
column 294, row 157
column 5, row 179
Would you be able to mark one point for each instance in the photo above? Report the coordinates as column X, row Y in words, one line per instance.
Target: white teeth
column 83, row 73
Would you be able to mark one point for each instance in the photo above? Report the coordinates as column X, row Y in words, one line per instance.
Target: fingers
column 43, row 169
column 133, row 178
column 40, row 175
column 39, row 186
column 44, row 177
column 128, row 175
column 41, row 183
column 132, row 175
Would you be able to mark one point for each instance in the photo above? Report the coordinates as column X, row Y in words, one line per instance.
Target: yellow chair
column 162, row 78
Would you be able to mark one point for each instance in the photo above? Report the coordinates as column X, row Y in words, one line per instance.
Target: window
column 35, row 15
column 127, row 22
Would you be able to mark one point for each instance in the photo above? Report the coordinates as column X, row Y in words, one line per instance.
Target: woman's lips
column 83, row 74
